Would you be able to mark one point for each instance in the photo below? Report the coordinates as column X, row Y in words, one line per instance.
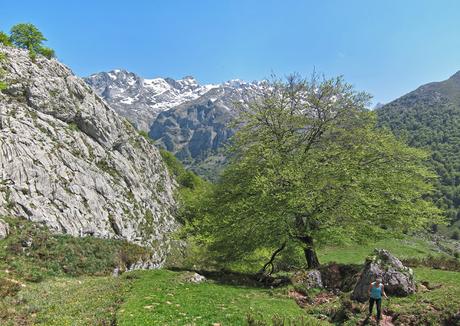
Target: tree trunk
column 310, row 252
column 310, row 256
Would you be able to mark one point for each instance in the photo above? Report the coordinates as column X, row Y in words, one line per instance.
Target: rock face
column 197, row 130
column 397, row 279
column 4, row 229
column 70, row 161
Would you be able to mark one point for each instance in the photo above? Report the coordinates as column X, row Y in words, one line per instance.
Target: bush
column 5, row 39
column 455, row 235
column 46, row 52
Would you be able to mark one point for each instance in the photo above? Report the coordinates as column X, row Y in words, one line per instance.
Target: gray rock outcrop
column 4, row 229
column 397, row 279
column 308, row 279
column 70, row 161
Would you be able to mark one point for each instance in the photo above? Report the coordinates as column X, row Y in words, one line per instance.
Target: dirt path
column 386, row 321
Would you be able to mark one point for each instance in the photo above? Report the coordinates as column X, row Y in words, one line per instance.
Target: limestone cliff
column 69, row 161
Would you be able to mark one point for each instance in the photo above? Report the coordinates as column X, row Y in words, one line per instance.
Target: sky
column 386, row 47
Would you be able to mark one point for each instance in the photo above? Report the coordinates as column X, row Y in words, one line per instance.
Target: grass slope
column 164, row 298
column 44, row 280
column 65, row 301
column 409, row 247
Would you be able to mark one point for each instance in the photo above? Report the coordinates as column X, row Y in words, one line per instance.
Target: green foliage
column 27, row 36
column 5, row 39
column 73, row 126
column 31, row 252
column 407, row 247
column 310, row 167
column 105, row 166
column 46, row 52
column 191, row 187
column 434, row 262
column 144, row 134
column 427, row 119
column 3, row 85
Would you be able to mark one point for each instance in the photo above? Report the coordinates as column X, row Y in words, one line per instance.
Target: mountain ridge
column 429, row 117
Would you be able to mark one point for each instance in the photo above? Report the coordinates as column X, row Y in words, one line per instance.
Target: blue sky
column 385, row 47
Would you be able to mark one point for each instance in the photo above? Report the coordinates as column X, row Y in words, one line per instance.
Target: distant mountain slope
column 188, row 119
column 197, row 130
column 429, row 117
column 69, row 161
column 139, row 99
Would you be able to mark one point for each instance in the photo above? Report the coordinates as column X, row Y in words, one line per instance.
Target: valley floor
column 164, row 297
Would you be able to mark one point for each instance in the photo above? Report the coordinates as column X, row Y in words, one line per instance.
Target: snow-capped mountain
column 188, row 119
column 140, row 99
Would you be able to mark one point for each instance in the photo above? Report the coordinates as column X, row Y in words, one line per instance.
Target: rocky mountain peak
column 141, row 99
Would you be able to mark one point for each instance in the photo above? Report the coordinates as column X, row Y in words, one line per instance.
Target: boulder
column 307, row 279
column 4, row 229
column 397, row 278
column 194, row 278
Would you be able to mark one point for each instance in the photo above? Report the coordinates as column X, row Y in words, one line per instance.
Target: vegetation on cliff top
column 27, row 36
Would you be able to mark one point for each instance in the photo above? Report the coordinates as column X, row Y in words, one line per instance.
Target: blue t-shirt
column 376, row 291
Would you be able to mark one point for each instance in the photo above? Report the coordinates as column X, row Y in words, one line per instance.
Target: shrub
column 46, row 52
column 5, row 39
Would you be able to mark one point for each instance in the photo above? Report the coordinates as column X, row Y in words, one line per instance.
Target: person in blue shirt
column 376, row 290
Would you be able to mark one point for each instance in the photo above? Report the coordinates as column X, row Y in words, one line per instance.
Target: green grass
column 163, row 298
column 431, row 306
column 65, row 301
column 54, row 287
column 402, row 248
column 32, row 253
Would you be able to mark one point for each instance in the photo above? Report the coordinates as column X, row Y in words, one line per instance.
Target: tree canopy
column 310, row 167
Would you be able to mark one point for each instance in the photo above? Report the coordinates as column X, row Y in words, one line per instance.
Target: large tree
column 310, row 167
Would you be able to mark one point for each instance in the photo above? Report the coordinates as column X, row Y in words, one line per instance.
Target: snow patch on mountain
column 141, row 99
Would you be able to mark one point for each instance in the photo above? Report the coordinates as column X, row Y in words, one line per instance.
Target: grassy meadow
column 64, row 289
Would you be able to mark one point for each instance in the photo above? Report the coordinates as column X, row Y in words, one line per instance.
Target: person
column 376, row 290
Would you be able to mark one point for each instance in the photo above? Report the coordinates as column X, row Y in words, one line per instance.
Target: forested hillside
column 429, row 117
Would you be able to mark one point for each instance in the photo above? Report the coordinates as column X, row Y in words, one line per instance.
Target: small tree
column 310, row 167
column 27, row 36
